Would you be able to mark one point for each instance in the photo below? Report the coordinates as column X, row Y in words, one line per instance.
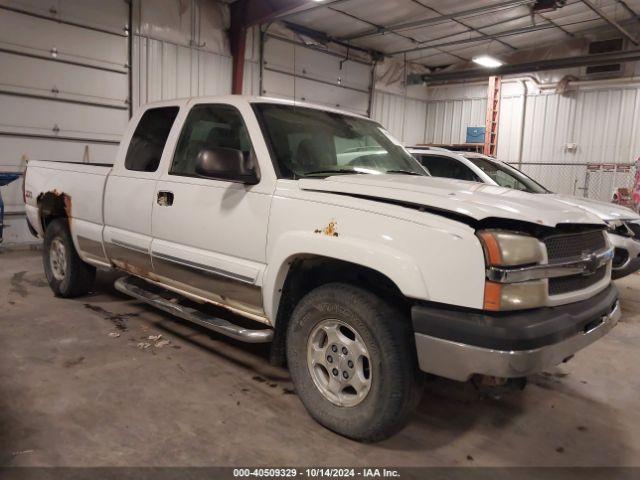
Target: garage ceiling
column 437, row 33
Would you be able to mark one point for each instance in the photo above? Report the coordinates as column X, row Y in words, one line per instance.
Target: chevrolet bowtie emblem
column 591, row 263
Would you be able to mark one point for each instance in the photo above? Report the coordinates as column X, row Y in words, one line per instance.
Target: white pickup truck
column 361, row 269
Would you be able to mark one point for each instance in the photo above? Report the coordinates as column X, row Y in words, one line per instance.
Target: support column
column 247, row 13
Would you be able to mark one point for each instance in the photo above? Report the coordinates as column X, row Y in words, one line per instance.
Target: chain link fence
column 607, row 182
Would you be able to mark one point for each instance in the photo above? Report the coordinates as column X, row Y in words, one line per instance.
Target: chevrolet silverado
column 335, row 245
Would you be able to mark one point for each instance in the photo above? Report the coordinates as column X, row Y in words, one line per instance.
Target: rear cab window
column 148, row 140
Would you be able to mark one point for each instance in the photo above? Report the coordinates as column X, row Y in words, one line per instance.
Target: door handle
column 165, row 198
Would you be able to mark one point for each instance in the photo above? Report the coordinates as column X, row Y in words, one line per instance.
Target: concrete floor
column 77, row 389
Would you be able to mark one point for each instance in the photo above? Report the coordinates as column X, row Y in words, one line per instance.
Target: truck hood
column 474, row 200
column 604, row 210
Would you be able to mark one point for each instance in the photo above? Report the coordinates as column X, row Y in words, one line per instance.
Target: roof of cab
column 253, row 99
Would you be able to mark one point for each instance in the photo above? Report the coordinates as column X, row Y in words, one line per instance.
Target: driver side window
column 208, row 127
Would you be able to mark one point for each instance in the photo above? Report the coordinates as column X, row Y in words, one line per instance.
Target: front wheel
column 67, row 274
column 352, row 360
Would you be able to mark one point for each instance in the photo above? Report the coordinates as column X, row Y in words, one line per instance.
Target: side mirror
column 226, row 164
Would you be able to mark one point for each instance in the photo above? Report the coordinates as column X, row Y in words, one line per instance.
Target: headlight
column 619, row 227
column 508, row 249
column 514, row 296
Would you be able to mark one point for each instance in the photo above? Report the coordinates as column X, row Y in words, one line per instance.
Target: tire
column 347, row 316
column 67, row 274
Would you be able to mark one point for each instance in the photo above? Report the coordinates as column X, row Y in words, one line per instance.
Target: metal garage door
column 293, row 70
column 64, row 83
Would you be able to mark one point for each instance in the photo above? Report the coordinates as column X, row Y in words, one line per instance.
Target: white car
column 359, row 273
column 623, row 223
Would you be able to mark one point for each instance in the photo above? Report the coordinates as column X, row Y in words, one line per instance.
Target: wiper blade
column 406, row 172
column 330, row 171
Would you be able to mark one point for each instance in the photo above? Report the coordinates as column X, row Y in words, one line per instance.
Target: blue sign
column 475, row 134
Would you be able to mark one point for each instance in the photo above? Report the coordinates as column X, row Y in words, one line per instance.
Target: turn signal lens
column 492, row 251
column 492, row 295
column 514, row 296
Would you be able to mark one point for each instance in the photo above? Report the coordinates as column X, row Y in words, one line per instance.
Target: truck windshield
column 507, row 176
column 315, row 143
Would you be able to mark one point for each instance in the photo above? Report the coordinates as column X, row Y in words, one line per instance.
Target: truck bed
column 80, row 184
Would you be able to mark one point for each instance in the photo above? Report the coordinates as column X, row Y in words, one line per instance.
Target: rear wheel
column 67, row 274
column 352, row 360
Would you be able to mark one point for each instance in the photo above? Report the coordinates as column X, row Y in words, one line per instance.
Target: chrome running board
column 126, row 286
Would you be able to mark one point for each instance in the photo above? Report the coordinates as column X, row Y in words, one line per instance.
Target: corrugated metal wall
column 447, row 120
column 164, row 70
column 251, row 76
column 415, row 121
column 404, row 117
column 602, row 122
column 293, row 70
column 180, row 49
column 510, row 127
column 390, row 110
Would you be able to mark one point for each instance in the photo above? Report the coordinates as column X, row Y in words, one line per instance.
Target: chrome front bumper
column 459, row 361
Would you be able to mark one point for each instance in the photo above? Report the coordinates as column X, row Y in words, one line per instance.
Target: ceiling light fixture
column 487, row 61
column 545, row 6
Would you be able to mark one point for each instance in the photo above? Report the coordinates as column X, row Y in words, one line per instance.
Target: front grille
column 572, row 283
column 573, row 246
